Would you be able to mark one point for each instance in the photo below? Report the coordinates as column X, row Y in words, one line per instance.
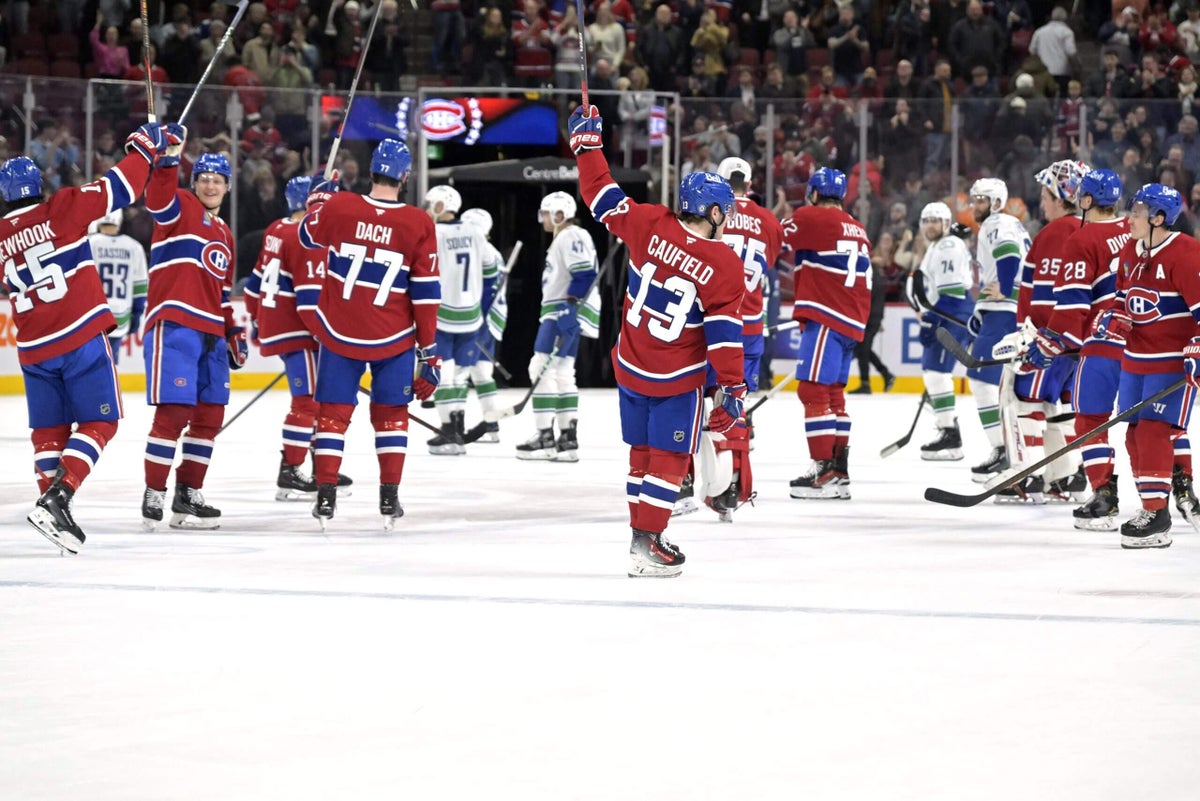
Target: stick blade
column 953, row 498
column 475, row 432
column 890, row 449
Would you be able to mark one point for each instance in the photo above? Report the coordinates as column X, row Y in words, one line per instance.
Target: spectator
column 1067, row 133
column 781, row 90
column 1054, row 44
column 903, row 85
column 1148, row 153
column 1017, row 168
column 347, row 41
column 1157, row 35
column 937, row 115
column 248, row 84
column 976, row 40
column 943, row 18
column 744, row 90
column 1189, row 31
column 180, row 54
column 602, row 80
column 260, row 203
column 978, row 106
column 107, row 152
column 1186, row 89
column 386, row 57
column 759, row 19
column 260, row 54
column 1184, row 177
column 1130, row 169
column 263, row 137
column 55, row 152
column 565, row 39
column 916, row 197
column 606, row 38
column 1152, row 85
column 848, row 46
column 756, row 151
column 1110, row 151
column 698, row 85
column 217, row 12
column 1124, row 36
column 709, row 41
column 901, row 140
column 291, row 103
column 110, row 57
column 699, row 161
column 634, row 110
column 492, row 52
column 449, row 31
column 660, row 48
column 208, row 47
column 136, row 97
column 791, row 44
column 911, row 34
column 1112, row 80
column 112, row 12
column 1186, row 138
column 531, row 36
column 301, row 41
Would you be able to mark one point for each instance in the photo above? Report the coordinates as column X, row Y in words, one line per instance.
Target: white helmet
column 1062, row 179
column 114, row 217
column 478, row 218
column 938, row 211
column 557, row 202
column 446, row 195
column 993, row 189
column 733, row 164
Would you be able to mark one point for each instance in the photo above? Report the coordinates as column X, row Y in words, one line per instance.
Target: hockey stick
column 784, row 326
column 963, row 355
column 963, row 501
column 241, row 9
column 411, row 416
column 500, row 287
column 253, row 400
column 583, row 72
column 900, row 443
column 362, row 59
column 151, row 116
column 772, row 392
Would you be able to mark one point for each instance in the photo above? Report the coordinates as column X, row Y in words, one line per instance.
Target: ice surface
column 491, row 647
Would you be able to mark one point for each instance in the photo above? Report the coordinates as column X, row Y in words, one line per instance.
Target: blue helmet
column 296, row 192
column 828, row 182
column 391, row 159
column 212, row 162
column 1104, row 186
column 698, row 191
column 1161, row 199
column 20, row 178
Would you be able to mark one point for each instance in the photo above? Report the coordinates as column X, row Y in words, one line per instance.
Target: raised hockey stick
column 242, row 5
column 253, row 400
column 151, row 116
column 411, row 416
column 900, row 443
column 583, row 72
column 362, row 59
column 963, row 501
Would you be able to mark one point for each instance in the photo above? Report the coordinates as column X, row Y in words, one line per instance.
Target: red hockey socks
column 84, row 448
column 198, row 444
column 820, row 421
column 639, row 465
column 48, row 445
column 332, row 421
column 298, row 429
column 1097, row 454
column 169, row 422
column 837, row 403
column 659, row 488
column 1152, row 470
column 1183, row 451
column 391, row 441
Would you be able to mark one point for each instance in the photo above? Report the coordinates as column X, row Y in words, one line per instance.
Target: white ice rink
column 881, row 649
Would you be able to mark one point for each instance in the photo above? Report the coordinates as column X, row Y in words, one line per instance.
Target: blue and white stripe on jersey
column 63, row 333
column 723, row 332
column 606, row 201
column 167, row 214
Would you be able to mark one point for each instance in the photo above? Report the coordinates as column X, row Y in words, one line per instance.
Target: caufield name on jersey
column 672, row 256
column 25, row 239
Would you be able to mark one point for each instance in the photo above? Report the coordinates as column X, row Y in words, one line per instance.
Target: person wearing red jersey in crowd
column 1156, row 312
column 682, row 312
column 377, row 306
column 190, row 341
column 62, row 320
column 271, row 303
column 833, row 299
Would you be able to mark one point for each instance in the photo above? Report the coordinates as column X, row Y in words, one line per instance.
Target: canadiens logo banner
column 455, row 120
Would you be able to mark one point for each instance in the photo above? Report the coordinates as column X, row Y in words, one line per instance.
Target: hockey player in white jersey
column 495, row 315
column 121, row 263
column 939, row 291
column 461, row 264
column 1002, row 243
column 567, row 305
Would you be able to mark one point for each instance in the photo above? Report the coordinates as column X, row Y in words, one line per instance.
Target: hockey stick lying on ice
column 954, row 499
column 900, row 443
column 411, row 416
column 253, row 400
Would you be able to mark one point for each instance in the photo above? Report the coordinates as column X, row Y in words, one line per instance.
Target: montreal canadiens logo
column 1142, row 305
column 216, row 259
column 442, row 119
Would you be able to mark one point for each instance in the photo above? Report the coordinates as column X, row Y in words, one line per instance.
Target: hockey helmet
column 391, row 159
column 478, row 218
column 936, row 211
column 735, row 166
column 827, row 182
column 993, row 189
column 1160, row 199
column 20, row 178
column 211, row 162
column 114, row 217
column 1103, row 185
column 447, row 196
column 297, row 191
column 555, row 203
column 1062, row 179
column 698, row 191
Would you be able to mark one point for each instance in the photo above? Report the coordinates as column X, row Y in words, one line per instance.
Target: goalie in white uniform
column 462, row 268
column 569, row 307
column 495, row 316
column 121, row 263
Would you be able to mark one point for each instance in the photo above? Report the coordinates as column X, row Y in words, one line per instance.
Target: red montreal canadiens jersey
column 1162, row 297
column 57, row 300
column 271, row 289
column 191, row 259
column 381, row 285
column 1087, row 285
column 756, row 237
column 683, row 306
column 1040, row 272
column 833, row 269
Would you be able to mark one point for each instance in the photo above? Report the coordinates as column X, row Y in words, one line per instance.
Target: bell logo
column 1142, row 305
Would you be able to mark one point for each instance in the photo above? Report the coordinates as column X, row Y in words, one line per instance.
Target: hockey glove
column 1191, row 361
column 928, row 333
column 429, row 372
column 176, row 134
column 322, row 190
column 149, row 140
column 239, row 349
column 728, row 406
column 1044, row 348
column 961, row 231
column 1113, row 325
column 568, row 320
column 585, row 127
column 975, row 324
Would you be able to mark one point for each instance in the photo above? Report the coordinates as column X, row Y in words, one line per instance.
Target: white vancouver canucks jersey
column 463, row 270
column 1002, row 245
column 121, row 263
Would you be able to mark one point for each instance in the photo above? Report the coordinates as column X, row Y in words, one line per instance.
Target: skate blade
column 185, row 522
column 491, row 436
column 819, row 494
column 1108, row 523
column 536, row 456
column 983, row 478
column 566, row 456
column 447, row 450
column 149, row 525
column 1033, row 498
column 1191, row 517
column 43, row 521
column 684, row 506
column 342, row 492
column 1162, row 540
column 282, row 494
column 323, row 522
column 951, row 455
column 639, row 569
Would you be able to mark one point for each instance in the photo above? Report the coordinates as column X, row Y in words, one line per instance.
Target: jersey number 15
column 47, row 281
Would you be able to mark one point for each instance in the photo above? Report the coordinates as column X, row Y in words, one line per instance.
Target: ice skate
column 326, row 504
column 152, row 508
column 52, row 517
column 292, row 485
column 820, row 482
column 447, row 443
column 1148, row 529
column 1073, row 488
column 685, row 503
column 947, row 447
column 491, row 433
column 344, row 483
column 841, row 467
column 1100, row 511
column 994, row 465
column 389, row 505
column 1185, row 497
column 540, row 447
column 567, row 447
column 1031, row 489
column 189, row 511
column 651, row 556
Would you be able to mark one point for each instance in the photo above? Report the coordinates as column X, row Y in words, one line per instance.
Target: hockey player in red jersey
column 62, row 320
column 191, row 342
column 682, row 311
column 833, row 298
column 376, row 306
